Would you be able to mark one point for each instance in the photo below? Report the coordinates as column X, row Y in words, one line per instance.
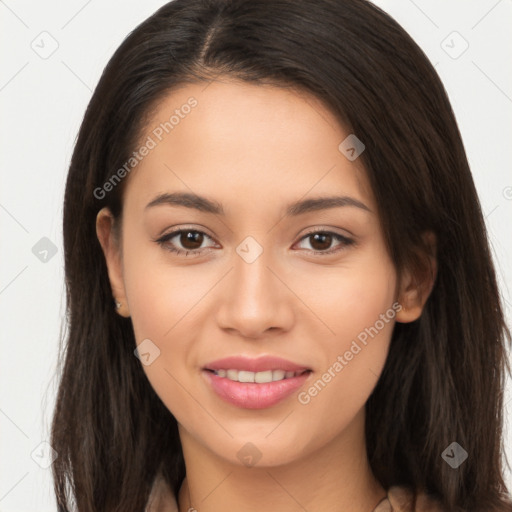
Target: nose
column 255, row 299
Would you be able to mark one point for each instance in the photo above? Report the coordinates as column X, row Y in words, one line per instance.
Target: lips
column 254, row 383
column 255, row 365
column 258, row 377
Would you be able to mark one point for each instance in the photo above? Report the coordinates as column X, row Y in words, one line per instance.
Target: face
column 313, row 285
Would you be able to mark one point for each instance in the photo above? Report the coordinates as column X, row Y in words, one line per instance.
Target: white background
column 42, row 103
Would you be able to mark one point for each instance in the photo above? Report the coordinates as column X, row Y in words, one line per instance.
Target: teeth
column 244, row 376
column 262, row 377
column 278, row 375
column 232, row 374
column 258, row 377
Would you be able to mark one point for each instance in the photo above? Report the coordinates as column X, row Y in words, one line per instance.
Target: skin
column 255, row 149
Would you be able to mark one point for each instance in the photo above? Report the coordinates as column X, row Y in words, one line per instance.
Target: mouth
column 262, row 377
column 257, row 365
column 254, row 383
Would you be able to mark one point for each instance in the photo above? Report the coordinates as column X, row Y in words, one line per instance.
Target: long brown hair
column 444, row 377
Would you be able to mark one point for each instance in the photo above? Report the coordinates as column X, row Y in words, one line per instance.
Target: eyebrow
column 197, row 202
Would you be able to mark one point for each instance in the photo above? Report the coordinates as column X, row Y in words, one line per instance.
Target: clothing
column 399, row 499
column 402, row 499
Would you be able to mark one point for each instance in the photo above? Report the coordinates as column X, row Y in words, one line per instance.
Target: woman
column 280, row 290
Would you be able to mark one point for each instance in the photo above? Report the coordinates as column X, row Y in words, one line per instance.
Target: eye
column 190, row 240
column 322, row 240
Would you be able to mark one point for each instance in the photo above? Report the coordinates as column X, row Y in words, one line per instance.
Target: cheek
column 161, row 296
column 358, row 308
column 165, row 302
column 366, row 294
column 350, row 297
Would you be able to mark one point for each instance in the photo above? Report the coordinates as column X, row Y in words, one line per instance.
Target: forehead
column 243, row 144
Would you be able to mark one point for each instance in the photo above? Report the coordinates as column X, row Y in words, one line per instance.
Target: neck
column 335, row 477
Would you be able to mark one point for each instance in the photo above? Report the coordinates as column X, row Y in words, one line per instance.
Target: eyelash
column 163, row 242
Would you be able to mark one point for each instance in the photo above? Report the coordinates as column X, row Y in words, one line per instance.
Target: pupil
column 191, row 237
column 322, row 237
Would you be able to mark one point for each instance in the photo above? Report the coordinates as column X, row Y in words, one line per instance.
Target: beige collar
column 399, row 499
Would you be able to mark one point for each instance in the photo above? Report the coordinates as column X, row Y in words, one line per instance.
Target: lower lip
column 250, row 395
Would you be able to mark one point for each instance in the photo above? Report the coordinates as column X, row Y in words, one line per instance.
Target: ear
column 110, row 243
column 416, row 285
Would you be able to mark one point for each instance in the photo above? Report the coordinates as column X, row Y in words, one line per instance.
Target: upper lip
column 259, row 364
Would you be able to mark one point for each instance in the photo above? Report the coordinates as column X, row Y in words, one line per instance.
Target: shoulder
column 404, row 499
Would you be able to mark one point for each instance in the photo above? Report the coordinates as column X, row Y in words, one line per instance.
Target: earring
column 118, row 304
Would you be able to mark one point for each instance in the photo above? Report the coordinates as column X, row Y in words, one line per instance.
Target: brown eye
column 190, row 241
column 321, row 241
